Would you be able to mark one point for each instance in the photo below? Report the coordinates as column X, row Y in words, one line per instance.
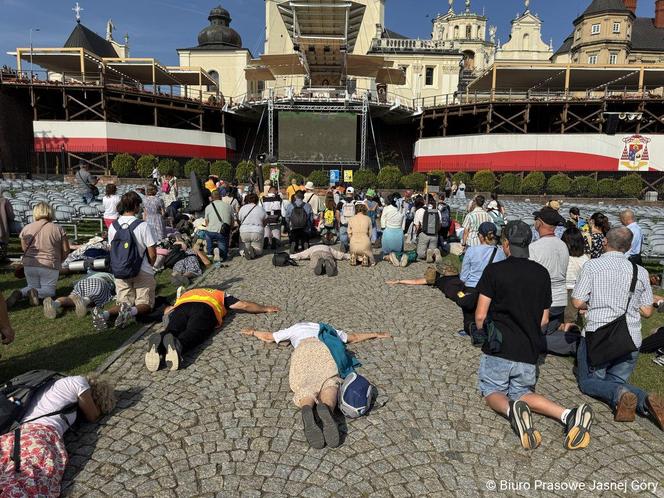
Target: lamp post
column 31, row 30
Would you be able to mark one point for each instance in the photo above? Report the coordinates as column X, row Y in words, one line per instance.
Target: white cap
column 350, row 190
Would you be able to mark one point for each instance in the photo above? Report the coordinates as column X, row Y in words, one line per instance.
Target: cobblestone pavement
column 225, row 425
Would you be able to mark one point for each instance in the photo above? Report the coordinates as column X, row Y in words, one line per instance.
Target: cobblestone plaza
column 225, row 424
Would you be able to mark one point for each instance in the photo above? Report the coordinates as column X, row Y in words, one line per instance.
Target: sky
column 157, row 28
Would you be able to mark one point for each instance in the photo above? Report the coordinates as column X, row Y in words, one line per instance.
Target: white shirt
column 574, row 268
column 552, row 254
column 61, row 393
column 391, row 217
column 419, row 216
column 144, row 235
column 111, row 206
column 301, row 331
column 314, row 201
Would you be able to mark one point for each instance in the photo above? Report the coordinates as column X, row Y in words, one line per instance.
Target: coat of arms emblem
column 635, row 155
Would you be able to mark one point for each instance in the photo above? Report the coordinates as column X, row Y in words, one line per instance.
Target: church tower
column 525, row 42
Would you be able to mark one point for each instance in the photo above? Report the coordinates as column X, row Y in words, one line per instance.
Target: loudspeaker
column 259, row 177
column 612, row 124
column 433, row 180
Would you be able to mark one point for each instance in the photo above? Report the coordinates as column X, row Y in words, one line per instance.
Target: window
column 469, row 30
column 428, row 75
column 404, row 69
column 592, row 59
column 596, row 28
column 616, row 27
column 613, row 58
column 215, row 76
column 456, row 32
column 578, row 34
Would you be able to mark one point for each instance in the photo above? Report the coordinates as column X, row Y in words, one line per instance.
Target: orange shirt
column 211, row 297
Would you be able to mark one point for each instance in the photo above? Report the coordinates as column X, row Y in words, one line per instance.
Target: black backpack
column 126, row 258
column 16, row 397
column 431, row 222
column 175, row 255
column 283, row 259
column 298, row 219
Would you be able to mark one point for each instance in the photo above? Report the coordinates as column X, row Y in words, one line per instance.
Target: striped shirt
column 471, row 224
column 604, row 284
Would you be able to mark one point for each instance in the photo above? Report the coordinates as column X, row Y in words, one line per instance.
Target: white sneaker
column 393, row 259
column 437, row 255
column 216, row 255
column 179, row 292
column 429, row 255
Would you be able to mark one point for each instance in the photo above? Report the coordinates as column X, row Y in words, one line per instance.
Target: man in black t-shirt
column 513, row 310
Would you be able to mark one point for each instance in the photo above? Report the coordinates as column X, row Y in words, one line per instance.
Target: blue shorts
column 511, row 378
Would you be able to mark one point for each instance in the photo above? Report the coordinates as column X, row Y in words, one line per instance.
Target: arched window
column 526, row 42
column 215, row 76
column 469, row 30
column 456, row 32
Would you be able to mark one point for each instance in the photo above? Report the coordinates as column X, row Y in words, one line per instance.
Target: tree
column 559, row 184
column 123, row 165
column 461, row 176
column 319, row 178
column 244, row 170
column 533, row 183
column 630, row 186
column 170, row 165
column 145, row 165
column 389, row 177
column 607, row 187
column 414, row 181
column 510, row 184
column 584, row 186
column 222, row 169
column 484, row 181
column 199, row 166
column 364, row 178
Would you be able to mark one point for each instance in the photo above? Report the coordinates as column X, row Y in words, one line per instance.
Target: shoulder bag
column 225, row 227
column 613, row 340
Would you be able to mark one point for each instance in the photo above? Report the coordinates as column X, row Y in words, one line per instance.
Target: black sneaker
column 173, row 351
column 577, row 427
column 330, row 427
column 152, row 357
column 522, row 423
column 319, row 269
column 274, row 245
column 312, row 431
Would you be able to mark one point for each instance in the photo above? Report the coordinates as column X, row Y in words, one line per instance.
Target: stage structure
column 323, row 35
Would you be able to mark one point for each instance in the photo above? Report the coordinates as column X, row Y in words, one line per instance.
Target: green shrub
column 461, row 176
column 533, row 183
column 298, row 177
column 199, row 166
column 364, row 178
column 484, row 181
column 244, row 170
column 172, row 165
column 222, row 169
column 607, row 187
column 630, row 185
column 441, row 175
column 584, row 186
column 389, row 177
column 559, row 184
column 145, row 165
column 123, row 165
column 510, row 184
column 414, row 181
column 266, row 172
column 320, row 178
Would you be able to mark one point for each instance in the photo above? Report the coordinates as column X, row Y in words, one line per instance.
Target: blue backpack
column 356, row 395
column 126, row 259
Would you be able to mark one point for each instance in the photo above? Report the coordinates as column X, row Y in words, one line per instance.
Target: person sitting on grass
column 512, row 311
column 135, row 295
column 323, row 259
column 314, row 376
column 43, row 455
column 96, row 289
column 193, row 319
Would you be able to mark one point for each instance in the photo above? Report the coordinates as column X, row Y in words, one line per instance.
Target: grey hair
column 628, row 214
column 620, row 239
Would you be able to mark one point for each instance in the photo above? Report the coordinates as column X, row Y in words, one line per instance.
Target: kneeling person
column 516, row 294
column 193, row 319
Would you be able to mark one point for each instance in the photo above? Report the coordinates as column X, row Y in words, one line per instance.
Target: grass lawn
column 67, row 344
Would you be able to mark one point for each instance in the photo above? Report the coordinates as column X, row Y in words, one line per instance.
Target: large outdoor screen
column 317, row 136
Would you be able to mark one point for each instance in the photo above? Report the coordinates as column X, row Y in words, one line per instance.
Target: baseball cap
column 519, row 235
column 549, row 216
column 486, row 228
column 350, row 191
column 371, row 193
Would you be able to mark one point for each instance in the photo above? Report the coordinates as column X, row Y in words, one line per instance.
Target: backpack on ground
column 356, row 395
column 431, row 222
column 16, row 397
column 329, row 218
column 126, row 258
column 283, row 259
column 445, row 216
column 298, row 219
column 348, row 210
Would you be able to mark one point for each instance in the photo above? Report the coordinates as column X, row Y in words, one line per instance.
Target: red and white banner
column 102, row 137
column 536, row 152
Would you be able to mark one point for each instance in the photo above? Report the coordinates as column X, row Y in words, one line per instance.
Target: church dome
column 219, row 32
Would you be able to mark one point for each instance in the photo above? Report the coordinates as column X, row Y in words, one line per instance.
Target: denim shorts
column 497, row 375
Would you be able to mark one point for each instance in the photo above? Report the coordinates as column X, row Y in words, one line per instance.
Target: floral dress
column 596, row 246
column 153, row 207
